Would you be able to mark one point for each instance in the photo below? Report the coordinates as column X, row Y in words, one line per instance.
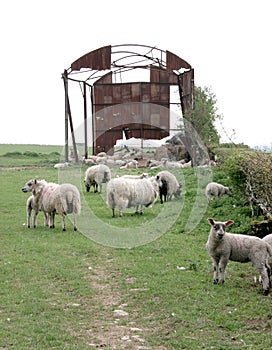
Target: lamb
column 214, row 189
column 55, row 199
column 30, row 205
column 95, row 176
column 268, row 240
column 124, row 193
column 169, row 185
column 223, row 246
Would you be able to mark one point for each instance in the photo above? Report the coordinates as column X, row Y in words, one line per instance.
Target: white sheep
column 223, row 246
column 95, row 176
column 268, row 240
column 216, row 190
column 55, row 199
column 131, row 164
column 30, row 206
column 169, row 185
column 125, row 193
column 130, row 176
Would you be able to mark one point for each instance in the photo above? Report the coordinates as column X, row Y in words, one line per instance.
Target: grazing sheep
column 30, row 206
column 169, row 185
column 268, row 240
column 214, row 189
column 141, row 176
column 125, row 193
column 95, row 176
column 223, row 246
column 55, row 199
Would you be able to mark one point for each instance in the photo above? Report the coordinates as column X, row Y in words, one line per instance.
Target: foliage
column 251, row 171
column 204, row 116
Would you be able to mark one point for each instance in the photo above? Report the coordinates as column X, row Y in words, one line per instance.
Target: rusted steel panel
column 106, row 79
column 187, row 88
column 158, row 75
column 99, row 59
column 174, row 62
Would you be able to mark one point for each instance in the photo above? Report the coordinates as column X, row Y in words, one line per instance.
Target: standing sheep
column 30, row 206
column 169, row 185
column 125, row 193
column 96, row 175
column 223, row 246
column 216, row 190
column 55, row 199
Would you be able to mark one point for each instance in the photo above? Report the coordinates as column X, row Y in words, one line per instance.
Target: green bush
column 251, row 173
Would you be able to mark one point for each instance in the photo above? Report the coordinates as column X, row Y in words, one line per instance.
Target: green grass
column 59, row 289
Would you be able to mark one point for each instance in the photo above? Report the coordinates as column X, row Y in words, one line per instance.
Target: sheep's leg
column 35, row 218
column 95, row 188
column 161, row 198
column 222, row 267
column 28, row 218
column 46, row 219
column 63, row 223
column 113, row 215
column 51, row 220
column 100, row 187
column 215, row 271
column 75, row 228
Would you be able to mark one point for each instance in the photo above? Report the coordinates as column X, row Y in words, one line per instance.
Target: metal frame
column 109, row 65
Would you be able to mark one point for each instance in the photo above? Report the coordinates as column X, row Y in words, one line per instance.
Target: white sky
column 228, row 43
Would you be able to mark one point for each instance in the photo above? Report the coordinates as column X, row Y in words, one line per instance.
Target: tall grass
column 59, row 290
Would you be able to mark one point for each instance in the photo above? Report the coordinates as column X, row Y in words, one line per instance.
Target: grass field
column 64, row 290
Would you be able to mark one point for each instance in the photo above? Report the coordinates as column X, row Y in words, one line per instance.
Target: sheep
column 55, row 199
column 131, row 164
column 62, row 165
column 268, row 240
column 124, row 193
column 141, row 176
column 223, row 246
column 169, row 185
column 30, row 205
column 95, row 176
column 214, row 189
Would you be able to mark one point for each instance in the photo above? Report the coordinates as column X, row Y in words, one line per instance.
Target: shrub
column 251, row 172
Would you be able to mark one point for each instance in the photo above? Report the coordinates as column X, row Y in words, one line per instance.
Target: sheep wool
column 55, row 199
column 216, row 190
column 223, row 246
column 125, row 193
column 30, row 206
column 169, row 185
column 96, row 175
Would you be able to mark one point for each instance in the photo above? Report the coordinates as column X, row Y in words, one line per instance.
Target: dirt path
column 112, row 327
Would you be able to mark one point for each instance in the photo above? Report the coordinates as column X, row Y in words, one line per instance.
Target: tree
column 204, row 115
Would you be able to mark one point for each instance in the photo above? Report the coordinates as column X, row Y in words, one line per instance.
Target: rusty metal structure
column 122, row 101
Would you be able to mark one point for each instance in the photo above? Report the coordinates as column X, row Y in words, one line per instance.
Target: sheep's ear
column 211, row 221
column 35, row 181
column 228, row 223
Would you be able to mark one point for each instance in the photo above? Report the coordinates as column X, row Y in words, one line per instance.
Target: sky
column 227, row 42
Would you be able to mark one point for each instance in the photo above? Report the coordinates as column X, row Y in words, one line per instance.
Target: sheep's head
column 28, row 187
column 218, row 228
column 228, row 191
column 33, row 186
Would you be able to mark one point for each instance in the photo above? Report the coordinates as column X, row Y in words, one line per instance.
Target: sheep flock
column 141, row 191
